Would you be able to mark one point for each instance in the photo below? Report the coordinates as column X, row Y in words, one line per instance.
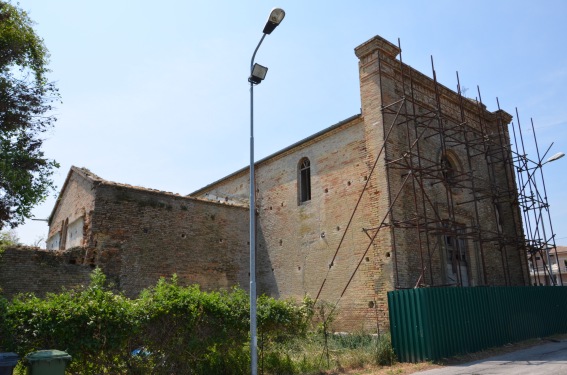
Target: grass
column 354, row 354
column 315, row 355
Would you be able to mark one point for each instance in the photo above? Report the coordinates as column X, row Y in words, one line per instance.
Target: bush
column 93, row 325
column 6, row 340
column 168, row 329
column 171, row 329
column 189, row 331
column 385, row 355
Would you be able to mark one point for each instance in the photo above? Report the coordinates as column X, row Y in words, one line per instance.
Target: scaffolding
column 540, row 237
column 461, row 197
column 467, row 205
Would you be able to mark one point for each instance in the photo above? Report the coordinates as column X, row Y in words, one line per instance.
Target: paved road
column 545, row 359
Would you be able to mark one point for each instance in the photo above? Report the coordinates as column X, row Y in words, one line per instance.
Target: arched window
column 304, row 180
column 450, row 168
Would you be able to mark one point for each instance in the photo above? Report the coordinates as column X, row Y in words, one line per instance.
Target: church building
column 417, row 190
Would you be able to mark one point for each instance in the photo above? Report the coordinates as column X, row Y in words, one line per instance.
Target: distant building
column 540, row 270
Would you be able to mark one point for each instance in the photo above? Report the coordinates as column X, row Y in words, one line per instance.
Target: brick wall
column 28, row 270
column 386, row 247
column 136, row 236
column 344, row 244
column 77, row 195
column 297, row 241
column 140, row 235
column 423, row 122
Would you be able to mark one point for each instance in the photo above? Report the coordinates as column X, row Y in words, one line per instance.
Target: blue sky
column 156, row 94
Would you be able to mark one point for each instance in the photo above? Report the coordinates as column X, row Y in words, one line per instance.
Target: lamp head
column 559, row 155
column 276, row 17
column 257, row 74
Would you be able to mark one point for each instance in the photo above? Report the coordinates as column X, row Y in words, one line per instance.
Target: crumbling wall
column 136, row 236
column 141, row 235
column 69, row 223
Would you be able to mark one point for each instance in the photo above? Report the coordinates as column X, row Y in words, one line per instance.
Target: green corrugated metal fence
column 434, row 323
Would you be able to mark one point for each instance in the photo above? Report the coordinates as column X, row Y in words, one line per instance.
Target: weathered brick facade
column 386, row 210
column 297, row 241
column 29, row 270
column 138, row 235
column 417, row 190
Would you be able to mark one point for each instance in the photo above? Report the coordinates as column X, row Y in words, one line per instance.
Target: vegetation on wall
column 172, row 329
column 8, row 238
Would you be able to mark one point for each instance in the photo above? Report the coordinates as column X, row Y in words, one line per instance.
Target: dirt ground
column 410, row 368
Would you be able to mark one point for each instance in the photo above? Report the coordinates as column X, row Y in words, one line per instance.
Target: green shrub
column 191, row 331
column 279, row 363
column 6, row 340
column 172, row 329
column 277, row 318
column 93, row 325
column 385, row 355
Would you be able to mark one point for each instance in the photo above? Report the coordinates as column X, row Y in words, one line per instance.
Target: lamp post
column 257, row 74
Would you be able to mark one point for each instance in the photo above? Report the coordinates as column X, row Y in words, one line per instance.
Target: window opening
column 304, row 180
column 63, row 238
column 456, row 253
column 448, row 170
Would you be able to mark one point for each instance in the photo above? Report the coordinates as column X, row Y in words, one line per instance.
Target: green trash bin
column 47, row 362
column 7, row 363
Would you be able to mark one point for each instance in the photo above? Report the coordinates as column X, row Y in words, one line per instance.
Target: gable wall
column 75, row 204
column 421, row 121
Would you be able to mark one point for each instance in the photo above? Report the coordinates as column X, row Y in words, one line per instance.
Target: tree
column 9, row 238
column 25, row 105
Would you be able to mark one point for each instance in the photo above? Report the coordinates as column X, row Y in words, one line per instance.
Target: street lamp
column 257, row 75
column 557, row 156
